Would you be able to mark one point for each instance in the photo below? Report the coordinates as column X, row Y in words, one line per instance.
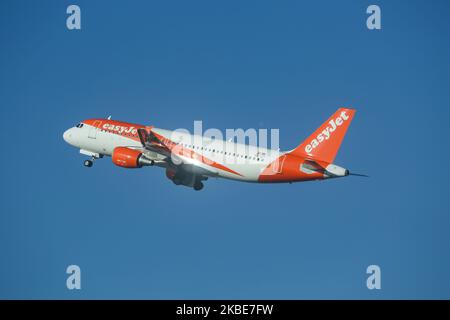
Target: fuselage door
column 277, row 166
column 93, row 130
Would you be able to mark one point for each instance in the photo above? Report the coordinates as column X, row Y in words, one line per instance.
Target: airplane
column 191, row 159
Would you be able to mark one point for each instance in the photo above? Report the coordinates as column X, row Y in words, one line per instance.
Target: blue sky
column 233, row 64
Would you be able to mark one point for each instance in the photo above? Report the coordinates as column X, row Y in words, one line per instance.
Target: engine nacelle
column 129, row 158
column 170, row 173
column 180, row 176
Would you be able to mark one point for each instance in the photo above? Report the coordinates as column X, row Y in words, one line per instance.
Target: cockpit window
column 80, row 125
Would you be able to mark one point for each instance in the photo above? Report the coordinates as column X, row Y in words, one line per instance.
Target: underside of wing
column 152, row 143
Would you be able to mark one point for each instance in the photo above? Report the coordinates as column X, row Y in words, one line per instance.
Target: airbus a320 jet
column 191, row 159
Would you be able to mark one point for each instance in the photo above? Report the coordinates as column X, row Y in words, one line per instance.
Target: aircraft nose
column 67, row 135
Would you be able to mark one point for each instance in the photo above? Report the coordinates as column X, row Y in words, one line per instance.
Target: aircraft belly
column 241, row 172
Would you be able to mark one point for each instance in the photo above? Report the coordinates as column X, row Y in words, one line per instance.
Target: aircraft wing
column 152, row 143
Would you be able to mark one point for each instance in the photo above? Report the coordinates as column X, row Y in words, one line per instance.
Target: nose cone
column 67, row 136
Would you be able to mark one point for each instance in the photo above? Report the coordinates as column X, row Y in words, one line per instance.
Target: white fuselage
column 224, row 158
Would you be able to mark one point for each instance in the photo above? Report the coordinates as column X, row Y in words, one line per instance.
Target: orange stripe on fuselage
column 286, row 170
column 182, row 151
column 124, row 129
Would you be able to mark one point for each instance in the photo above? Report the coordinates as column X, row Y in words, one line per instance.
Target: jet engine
column 182, row 177
column 130, row 158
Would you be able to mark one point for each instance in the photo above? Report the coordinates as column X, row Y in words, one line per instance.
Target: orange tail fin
column 324, row 143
